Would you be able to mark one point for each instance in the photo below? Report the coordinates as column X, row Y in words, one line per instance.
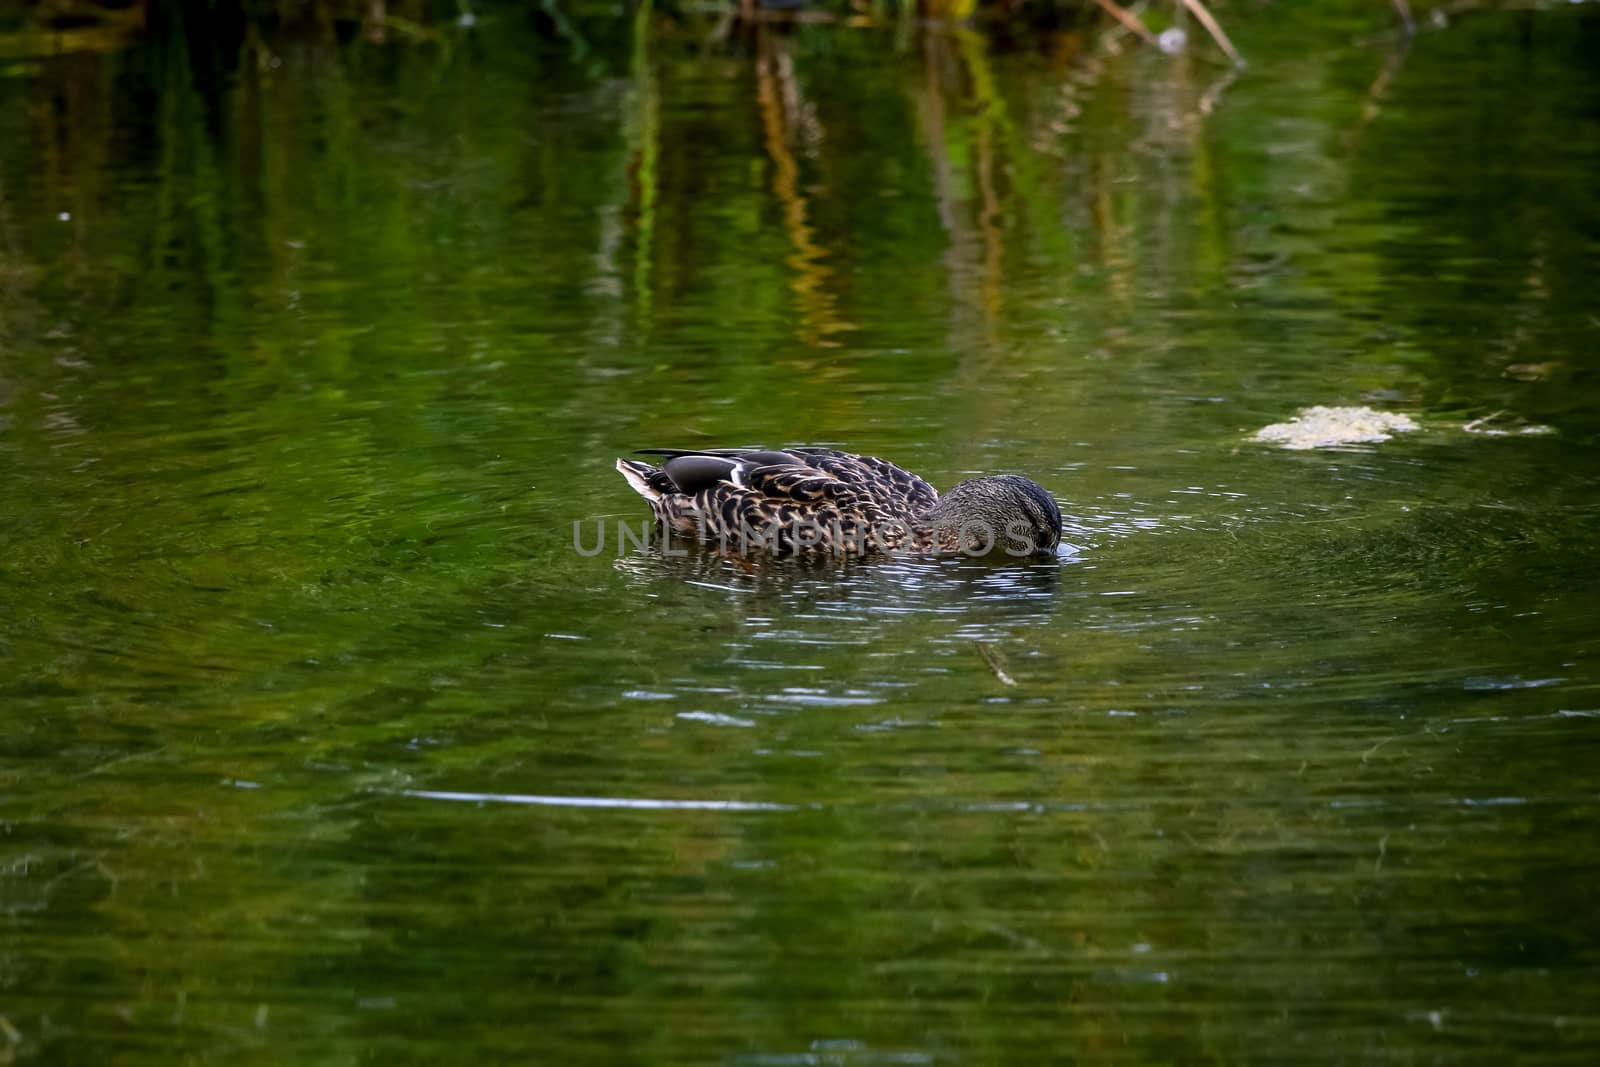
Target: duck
column 798, row 501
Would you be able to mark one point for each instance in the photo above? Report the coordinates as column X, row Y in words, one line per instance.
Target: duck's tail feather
column 649, row 482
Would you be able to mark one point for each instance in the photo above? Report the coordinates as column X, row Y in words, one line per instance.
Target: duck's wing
column 814, row 499
column 693, row 471
column 899, row 492
column 894, row 489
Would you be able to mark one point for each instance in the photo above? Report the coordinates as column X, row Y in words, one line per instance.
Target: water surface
column 321, row 743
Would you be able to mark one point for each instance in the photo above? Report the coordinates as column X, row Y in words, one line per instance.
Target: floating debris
column 1325, row 427
column 1529, row 372
column 1497, row 425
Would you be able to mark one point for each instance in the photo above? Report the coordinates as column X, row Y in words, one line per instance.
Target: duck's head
column 1002, row 515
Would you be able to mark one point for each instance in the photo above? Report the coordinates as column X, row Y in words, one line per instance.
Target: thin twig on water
column 993, row 661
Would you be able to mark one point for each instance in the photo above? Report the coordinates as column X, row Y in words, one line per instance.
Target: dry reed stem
column 1128, row 20
column 1214, row 28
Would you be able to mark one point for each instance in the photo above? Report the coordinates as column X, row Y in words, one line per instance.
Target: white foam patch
column 1329, row 427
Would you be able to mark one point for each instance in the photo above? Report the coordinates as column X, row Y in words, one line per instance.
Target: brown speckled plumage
column 820, row 500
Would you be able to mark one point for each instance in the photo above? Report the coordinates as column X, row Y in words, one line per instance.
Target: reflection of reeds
column 1379, row 90
column 778, row 97
column 89, row 29
column 643, row 127
column 989, row 118
column 936, row 135
column 984, row 169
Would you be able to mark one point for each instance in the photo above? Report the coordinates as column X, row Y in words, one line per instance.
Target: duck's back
column 900, row 493
column 793, row 500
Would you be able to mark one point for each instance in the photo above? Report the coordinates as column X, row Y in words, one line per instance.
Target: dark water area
column 322, row 742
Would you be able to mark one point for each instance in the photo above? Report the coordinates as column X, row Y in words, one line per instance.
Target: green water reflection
column 313, row 349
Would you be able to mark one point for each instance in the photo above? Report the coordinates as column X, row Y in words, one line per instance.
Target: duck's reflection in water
column 896, row 600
